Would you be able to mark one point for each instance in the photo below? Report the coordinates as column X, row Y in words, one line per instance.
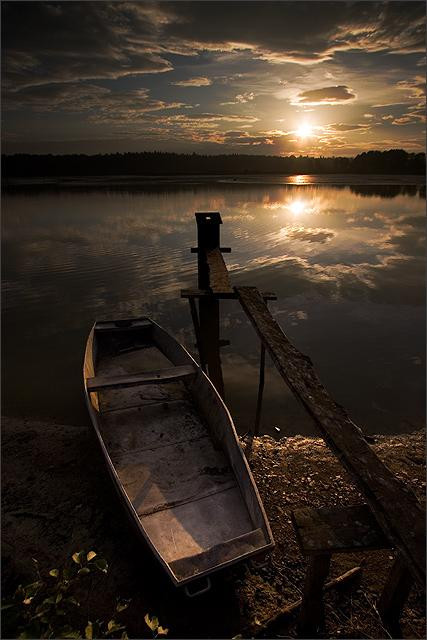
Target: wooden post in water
column 208, row 240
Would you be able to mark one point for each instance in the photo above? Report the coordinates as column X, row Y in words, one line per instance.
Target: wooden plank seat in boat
column 123, row 325
column 161, row 376
column 218, row 554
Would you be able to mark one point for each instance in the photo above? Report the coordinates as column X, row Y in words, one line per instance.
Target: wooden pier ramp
column 395, row 508
column 398, row 516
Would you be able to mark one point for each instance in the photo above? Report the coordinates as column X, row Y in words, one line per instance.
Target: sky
column 277, row 78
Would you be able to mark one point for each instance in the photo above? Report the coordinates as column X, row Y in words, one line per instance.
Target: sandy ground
column 57, row 499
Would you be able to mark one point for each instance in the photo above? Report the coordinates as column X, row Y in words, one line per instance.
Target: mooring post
column 208, row 237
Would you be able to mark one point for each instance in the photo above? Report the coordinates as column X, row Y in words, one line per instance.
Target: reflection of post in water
column 213, row 283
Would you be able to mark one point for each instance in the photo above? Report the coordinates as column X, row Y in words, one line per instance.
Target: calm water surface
column 347, row 264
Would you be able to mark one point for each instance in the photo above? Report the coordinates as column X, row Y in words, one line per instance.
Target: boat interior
column 168, row 460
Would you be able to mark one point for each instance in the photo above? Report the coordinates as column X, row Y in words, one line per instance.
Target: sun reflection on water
column 301, row 179
column 297, row 207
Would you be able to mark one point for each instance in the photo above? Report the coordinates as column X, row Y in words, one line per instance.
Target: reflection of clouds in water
column 71, row 258
column 301, row 233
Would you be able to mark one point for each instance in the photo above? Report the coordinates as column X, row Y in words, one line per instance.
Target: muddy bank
column 57, row 498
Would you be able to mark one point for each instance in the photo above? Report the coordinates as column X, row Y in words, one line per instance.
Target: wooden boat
column 172, row 450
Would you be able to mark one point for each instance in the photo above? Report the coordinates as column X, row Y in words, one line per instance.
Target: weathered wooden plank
column 148, row 377
column 340, row 529
column 219, row 295
column 394, row 506
column 218, row 275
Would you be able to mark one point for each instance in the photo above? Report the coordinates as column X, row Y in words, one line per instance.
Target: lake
column 345, row 256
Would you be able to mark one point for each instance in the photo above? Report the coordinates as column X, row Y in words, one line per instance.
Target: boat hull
column 172, row 450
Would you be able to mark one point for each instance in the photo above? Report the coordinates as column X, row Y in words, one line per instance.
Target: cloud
column 241, row 98
column 326, row 95
column 200, row 81
column 415, row 87
column 79, row 98
column 342, row 126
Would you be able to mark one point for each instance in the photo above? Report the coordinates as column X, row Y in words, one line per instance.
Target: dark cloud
column 87, row 97
column 72, row 41
column 90, row 59
column 304, row 32
column 65, row 42
column 326, row 95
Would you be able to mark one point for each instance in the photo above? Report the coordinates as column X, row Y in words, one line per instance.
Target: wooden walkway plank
column 395, row 507
column 218, row 274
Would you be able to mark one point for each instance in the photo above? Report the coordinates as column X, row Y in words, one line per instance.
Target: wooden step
column 339, row 530
column 161, row 376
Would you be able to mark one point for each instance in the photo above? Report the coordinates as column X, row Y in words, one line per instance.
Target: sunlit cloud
column 200, row 81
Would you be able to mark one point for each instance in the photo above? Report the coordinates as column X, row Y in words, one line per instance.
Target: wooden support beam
column 220, row 295
column 394, row 506
column 311, row 620
column 290, row 609
column 196, row 325
column 394, row 596
column 209, row 333
column 222, row 249
column 260, row 390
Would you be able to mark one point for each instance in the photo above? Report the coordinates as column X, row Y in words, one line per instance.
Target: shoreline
column 58, row 498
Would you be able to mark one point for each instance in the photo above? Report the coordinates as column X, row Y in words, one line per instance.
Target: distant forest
column 395, row 161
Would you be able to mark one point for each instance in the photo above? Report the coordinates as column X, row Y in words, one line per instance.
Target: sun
column 304, row 130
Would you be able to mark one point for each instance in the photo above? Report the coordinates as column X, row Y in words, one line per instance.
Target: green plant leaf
column 33, row 588
column 6, row 606
column 58, row 598
column 90, row 556
column 152, row 623
column 69, row 632
column 124, row 636
column 78, row 556
column 54, row 573
column 83, row 571
column 122, row 605
column 89, row 631
column 101, row 564
column 162, row 632
column 31, row 632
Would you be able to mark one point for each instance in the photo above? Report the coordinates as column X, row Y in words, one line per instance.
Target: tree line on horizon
column 394, row 161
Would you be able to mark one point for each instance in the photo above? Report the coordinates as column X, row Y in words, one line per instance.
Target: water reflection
column 346, row 262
